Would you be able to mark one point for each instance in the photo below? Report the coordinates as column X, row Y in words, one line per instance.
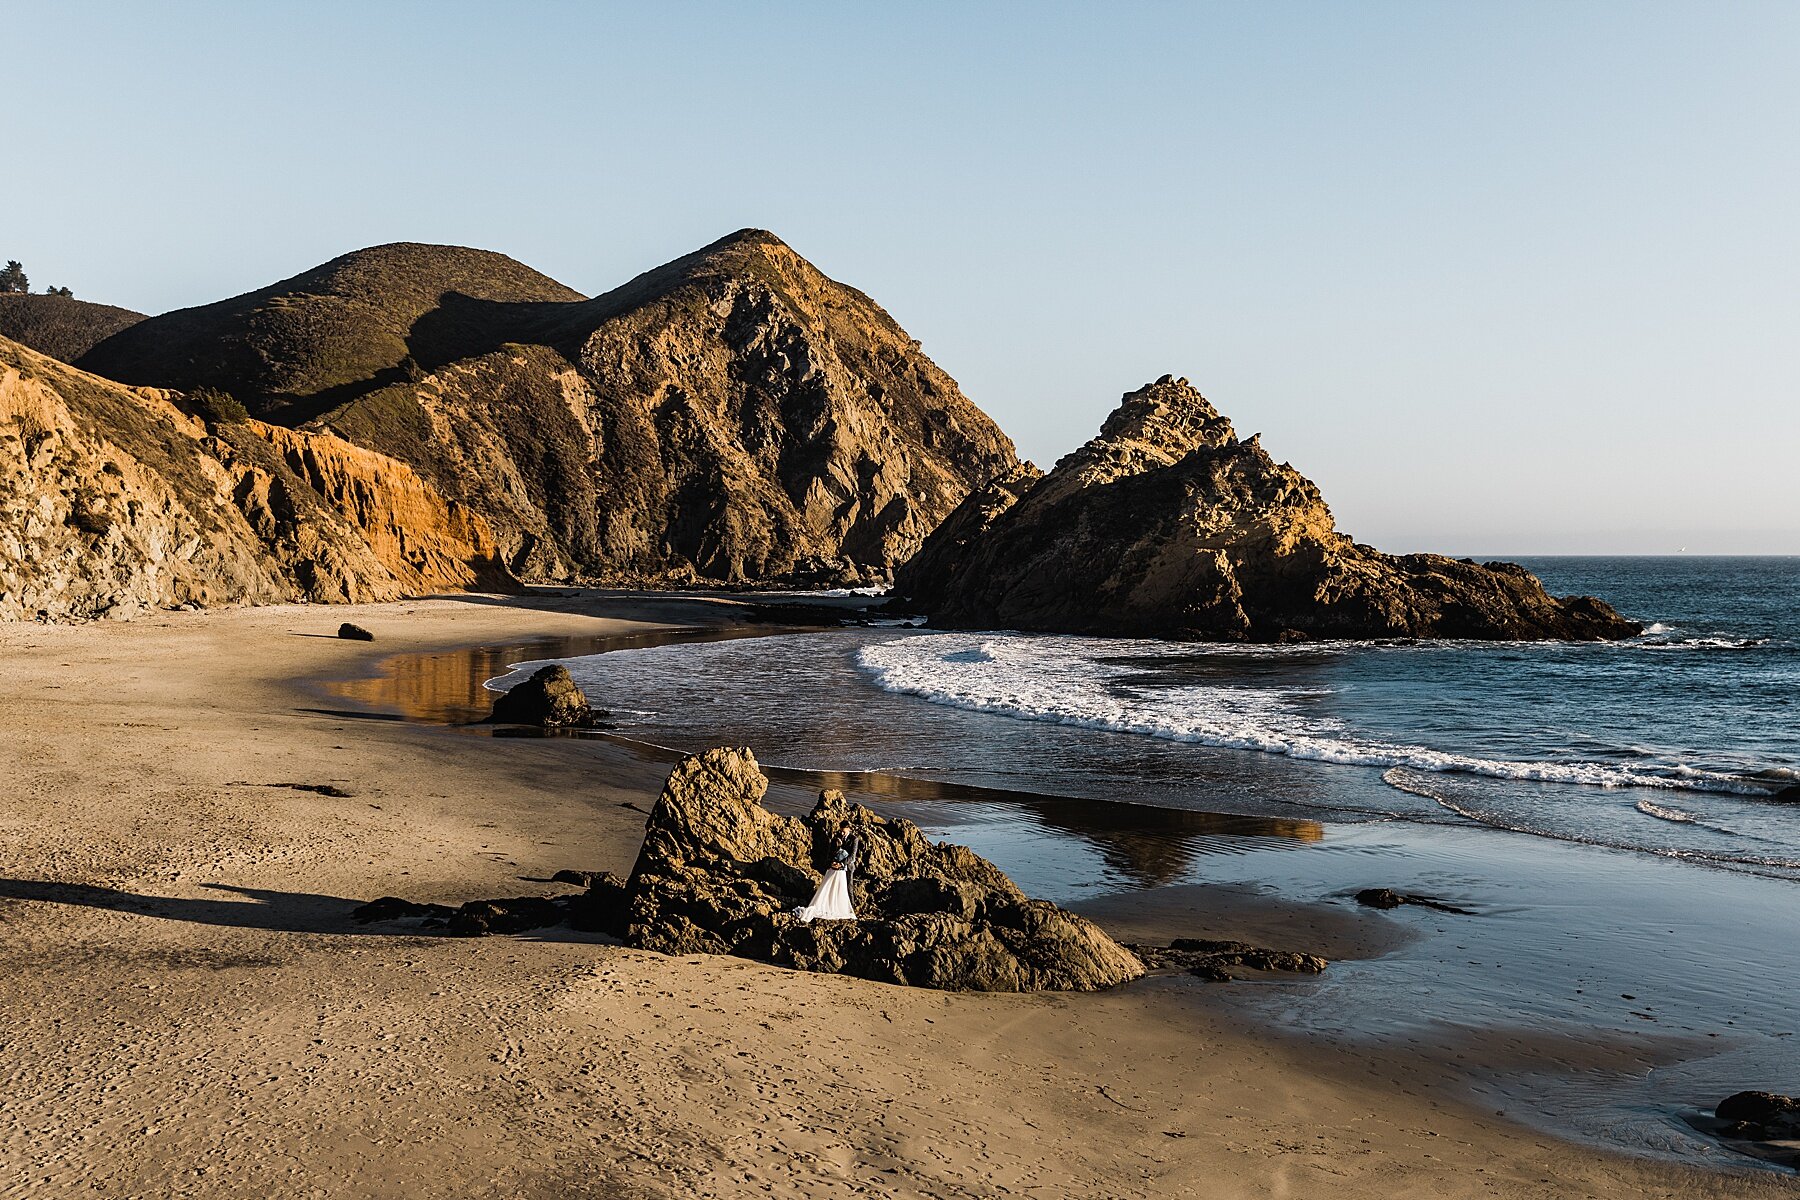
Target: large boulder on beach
column 1169, row 525
column 720, row 874
column 550, row 699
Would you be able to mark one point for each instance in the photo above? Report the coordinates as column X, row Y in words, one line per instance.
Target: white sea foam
column 1466, row 808
column 1701, row 643
column 1087, row 682
column 1664, row 813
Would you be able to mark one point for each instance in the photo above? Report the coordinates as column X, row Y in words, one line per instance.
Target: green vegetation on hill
column 61, row 326
column 307, row 344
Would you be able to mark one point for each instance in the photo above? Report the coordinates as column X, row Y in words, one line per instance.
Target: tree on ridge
column 12, row 279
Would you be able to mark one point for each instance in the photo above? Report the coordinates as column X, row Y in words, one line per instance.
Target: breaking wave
column 1088, row 682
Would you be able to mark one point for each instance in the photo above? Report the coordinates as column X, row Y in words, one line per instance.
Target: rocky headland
column 733, row 416
column 1168, row 525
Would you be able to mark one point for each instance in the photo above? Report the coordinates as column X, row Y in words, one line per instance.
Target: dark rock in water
column 720, row 874
column 1388, row 898
column 1215, row 959
column 1167, row 525
column 1380, row 898
column 392, row 908
column 550, row 699
column 818, row 616
column 1760, row 1116
column 1788, row 795
column 354, row 633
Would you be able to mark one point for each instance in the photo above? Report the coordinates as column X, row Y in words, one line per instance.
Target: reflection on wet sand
column 1148, row 846
column 445, row 688
column 1142, row 845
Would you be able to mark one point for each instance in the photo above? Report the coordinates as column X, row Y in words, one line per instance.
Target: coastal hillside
column 1168, row 525
column 61, row 326
column 304, row 345
column 733, row 415
column 114, row 500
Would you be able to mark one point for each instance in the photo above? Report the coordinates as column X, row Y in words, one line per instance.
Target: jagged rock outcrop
column 61, row 326
column 733, row 415
column 116, row 499
column 933, row 570
column 721, row 874
column 1167, row 525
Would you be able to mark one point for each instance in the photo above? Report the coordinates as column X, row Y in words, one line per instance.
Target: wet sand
column 188, row 1010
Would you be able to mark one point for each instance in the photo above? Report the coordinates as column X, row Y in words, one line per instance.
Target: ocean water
column 1612, row 814
column 1678, row 743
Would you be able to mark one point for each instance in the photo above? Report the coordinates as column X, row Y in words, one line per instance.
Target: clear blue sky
column 1502, row 278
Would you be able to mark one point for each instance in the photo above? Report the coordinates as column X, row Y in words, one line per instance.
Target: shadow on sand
column 247, row 908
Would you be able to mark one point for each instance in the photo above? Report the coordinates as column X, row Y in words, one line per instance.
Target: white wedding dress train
column 832, row 901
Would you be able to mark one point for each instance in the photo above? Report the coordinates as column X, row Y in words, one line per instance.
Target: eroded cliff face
column 114, row 500
column 733, row 415
column 1167, row 525
column 425, row 542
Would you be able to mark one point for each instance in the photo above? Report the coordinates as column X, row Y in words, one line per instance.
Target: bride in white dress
column 832, row 901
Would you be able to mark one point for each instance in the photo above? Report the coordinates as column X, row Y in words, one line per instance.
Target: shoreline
column 1535, row 1063
column 249, row 1034
column 1247, row 911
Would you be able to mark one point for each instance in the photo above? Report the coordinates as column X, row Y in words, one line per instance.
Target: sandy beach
column 189, row 1010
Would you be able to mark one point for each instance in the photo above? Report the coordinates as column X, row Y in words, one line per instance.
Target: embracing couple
column 831, row 902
